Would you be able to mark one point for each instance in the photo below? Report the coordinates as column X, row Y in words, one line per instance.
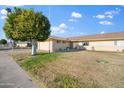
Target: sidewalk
column 11, row 75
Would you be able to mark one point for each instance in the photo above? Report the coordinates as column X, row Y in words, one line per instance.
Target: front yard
column 74, row 69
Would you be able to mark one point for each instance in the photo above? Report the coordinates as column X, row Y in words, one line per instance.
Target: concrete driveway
column 11, row 74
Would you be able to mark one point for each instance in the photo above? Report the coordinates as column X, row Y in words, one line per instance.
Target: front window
column 115, row 43
column 86, row 44
column 58, row 41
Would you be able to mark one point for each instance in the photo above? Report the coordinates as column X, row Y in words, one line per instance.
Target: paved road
column 11, row 75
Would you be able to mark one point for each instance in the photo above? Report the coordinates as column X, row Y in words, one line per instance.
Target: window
column 115, row 43
column 58, row 41
column 63, row 42
column 86, row 44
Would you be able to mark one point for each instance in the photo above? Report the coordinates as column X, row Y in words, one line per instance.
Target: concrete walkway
column 12, row 75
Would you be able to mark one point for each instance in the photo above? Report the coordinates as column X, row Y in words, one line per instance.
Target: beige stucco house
column 54, row 44
column 99, row 42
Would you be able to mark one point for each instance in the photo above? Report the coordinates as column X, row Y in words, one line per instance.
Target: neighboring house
column 99, row 42
column 23, row 44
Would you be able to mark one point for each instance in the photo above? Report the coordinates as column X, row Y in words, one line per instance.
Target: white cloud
column 72, row 20
column 108, row 14
column 105, row 23
column 103, row 16
column 57, row 30
column 112, row 12
column 62, row 28
column 3, row 17
column 3, row 11
column 102, row 32
column 4, row 14
column 76, row 15
column 100, row 16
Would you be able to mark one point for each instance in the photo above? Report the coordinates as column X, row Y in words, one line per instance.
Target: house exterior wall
column 61, row 45
column 76, row 44
column 45, row 46
column 21, row 45
column 53, row 45
column 117, row 45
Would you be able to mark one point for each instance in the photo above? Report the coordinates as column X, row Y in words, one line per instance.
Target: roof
column 58, row 38
column 99, row 37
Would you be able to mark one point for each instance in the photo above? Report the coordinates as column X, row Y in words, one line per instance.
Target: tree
column 26, row 24
column 3, row 41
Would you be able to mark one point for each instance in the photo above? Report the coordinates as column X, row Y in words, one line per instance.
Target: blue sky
column 68, row 20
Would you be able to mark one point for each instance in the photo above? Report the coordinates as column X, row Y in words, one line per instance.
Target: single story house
column 99, row 42
column 53, row 44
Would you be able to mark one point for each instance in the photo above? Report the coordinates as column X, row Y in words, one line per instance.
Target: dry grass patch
column 77, row 69
column 20, row 54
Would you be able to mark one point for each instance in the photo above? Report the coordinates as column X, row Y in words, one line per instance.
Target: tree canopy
column 26, row 24
column 3, row 41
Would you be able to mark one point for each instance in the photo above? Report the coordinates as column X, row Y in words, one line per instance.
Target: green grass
column 66, row 81
column 64, row 70
column 34, row 63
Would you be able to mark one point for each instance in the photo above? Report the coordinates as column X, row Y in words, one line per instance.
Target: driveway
column 11, row 74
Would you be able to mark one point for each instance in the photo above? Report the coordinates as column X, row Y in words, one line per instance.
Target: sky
column 76, row 20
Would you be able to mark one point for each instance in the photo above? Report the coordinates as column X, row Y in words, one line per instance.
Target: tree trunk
column 33, row 47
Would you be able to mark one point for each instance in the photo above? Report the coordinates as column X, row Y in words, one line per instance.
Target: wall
column 96, row 45
column 21, row 45
column 54, row 46
column 45, row 46
column 60, row 45
column 78, row 45
column 106, row 46
column 75, row 44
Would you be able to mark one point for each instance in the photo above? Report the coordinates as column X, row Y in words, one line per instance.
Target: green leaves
column 3, row 41
column 25, row 24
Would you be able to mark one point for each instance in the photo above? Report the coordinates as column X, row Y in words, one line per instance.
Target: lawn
column 75, row 69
